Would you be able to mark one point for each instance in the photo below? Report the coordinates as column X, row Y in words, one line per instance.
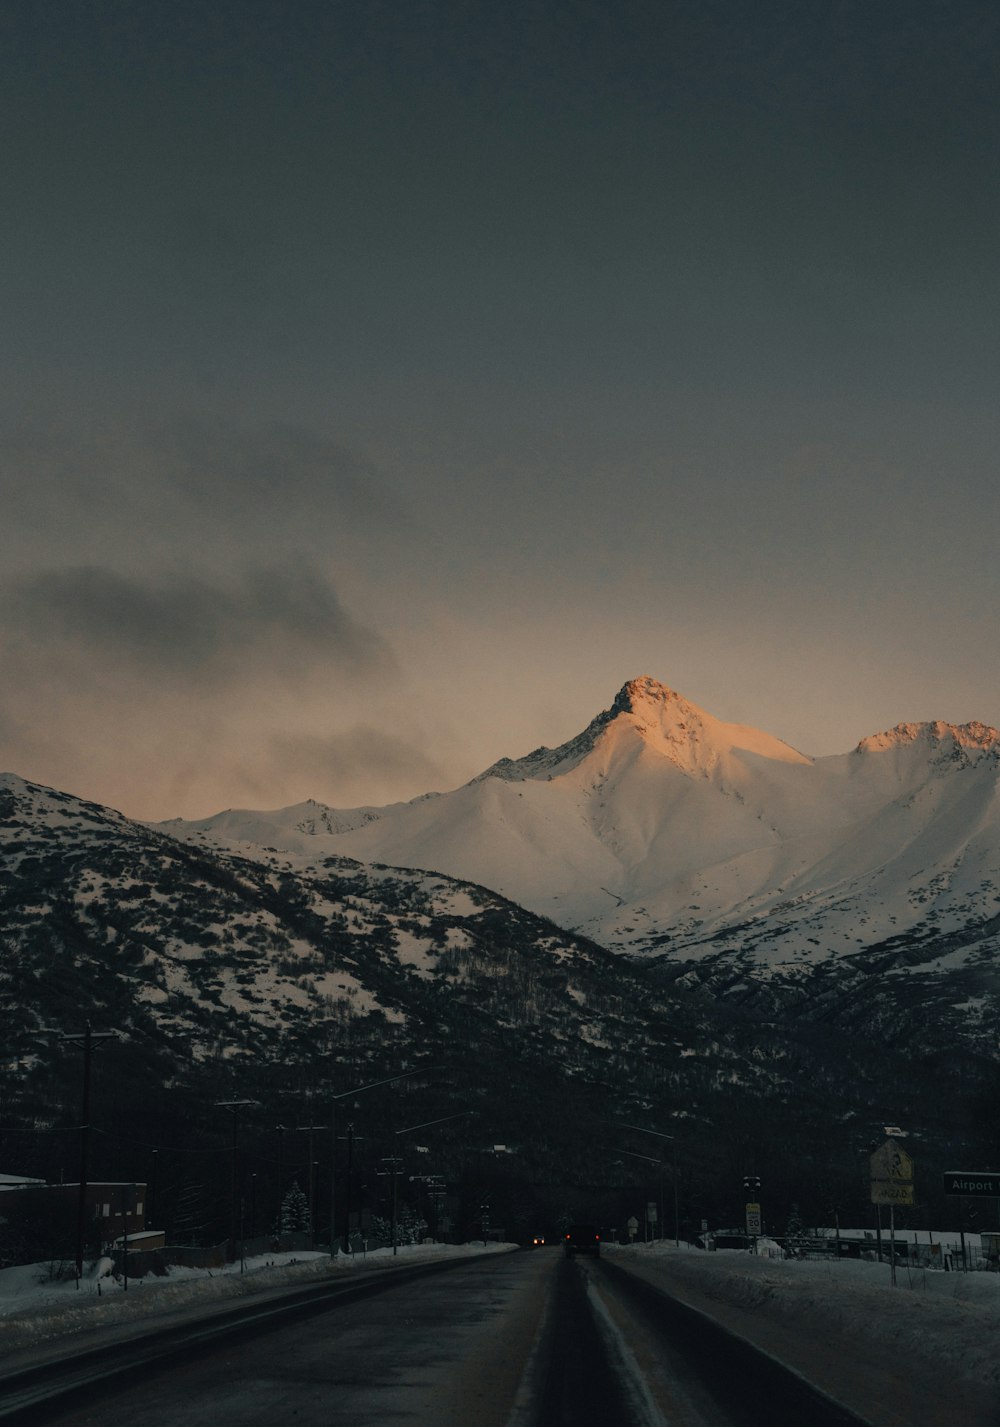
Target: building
column 115, row 1207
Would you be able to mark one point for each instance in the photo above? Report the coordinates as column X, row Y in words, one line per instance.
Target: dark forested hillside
column 283, row 986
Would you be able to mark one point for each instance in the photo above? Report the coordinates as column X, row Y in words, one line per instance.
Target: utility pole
column 751, row 1192
column 234, row 1107
column 311, row 1185
column 85, row 1039
column 395, row 1217
column 153, row 1188
column 347, row 1194
column 281, row 1183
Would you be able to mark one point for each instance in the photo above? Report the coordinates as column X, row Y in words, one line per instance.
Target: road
column 511, row 1340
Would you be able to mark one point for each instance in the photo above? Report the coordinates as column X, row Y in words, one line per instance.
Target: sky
column 382, row 385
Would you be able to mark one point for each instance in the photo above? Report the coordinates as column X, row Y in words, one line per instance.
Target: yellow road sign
column 885, row 1191
column 890, row 1161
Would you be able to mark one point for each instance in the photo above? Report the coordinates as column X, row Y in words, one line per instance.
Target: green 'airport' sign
column 985, row 1183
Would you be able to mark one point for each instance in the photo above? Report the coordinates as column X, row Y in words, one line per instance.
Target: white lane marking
column 630, row 1373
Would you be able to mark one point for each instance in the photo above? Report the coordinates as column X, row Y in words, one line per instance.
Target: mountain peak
column 667, row 724
column 971, row 737
column 641, row 693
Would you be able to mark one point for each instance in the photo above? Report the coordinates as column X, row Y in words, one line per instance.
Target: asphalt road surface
column 511, row 1340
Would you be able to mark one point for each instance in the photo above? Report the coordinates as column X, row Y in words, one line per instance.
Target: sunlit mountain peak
column 973, row 737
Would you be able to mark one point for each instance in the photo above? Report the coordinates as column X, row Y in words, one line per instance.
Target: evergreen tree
column 795, row 1232
column 295, row 1218
column 411, row 1226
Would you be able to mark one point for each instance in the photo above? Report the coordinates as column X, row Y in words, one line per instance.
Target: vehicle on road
column 582, row 1239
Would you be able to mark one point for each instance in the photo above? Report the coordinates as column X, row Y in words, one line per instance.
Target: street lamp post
column 657, row 1134
column 409, row 1130
column 659, row 1162
column 334, row 1102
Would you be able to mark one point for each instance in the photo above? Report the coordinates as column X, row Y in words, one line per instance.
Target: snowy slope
column 196, row 946
column 660, row 828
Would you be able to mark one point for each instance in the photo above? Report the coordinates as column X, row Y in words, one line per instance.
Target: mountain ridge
column 269, row 977
column 662, row 831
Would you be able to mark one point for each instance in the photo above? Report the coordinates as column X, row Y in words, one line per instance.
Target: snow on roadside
column 949, row 1319
column 35, row 1310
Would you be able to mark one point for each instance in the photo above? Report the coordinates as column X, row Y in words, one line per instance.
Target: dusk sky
column 384, row 384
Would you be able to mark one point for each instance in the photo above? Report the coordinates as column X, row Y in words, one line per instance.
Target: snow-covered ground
column 934, row 1327
column 953, row 1316
column 35, row 1310
column 914, row 1355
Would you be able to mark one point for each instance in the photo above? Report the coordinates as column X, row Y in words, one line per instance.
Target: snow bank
column 950, row 1320
column 35, row 1310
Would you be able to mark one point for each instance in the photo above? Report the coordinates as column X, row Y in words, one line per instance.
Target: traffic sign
column 891, row 1174
column 885, row 1192
column 972, row 1182
column 891, row 1162
column 753, row 1219
column 651, row 1212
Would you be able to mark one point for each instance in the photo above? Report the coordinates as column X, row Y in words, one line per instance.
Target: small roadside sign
column 972, row 1182
column 632, row 1224
column 883, row 1192
column 892, row 1184
column 651, row 1212
column 753, row 1219
column 891, row 1174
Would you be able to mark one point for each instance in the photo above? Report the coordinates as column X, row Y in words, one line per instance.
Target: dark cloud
column 184, row 480
column 275, row 468
column 194, row 627
column 360, row 763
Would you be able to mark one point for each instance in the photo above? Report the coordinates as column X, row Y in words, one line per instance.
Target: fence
column 157, row 1261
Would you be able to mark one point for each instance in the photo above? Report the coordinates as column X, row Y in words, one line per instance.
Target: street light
column 409, row 1130
column 649, row 1160
column 657, row 1134
column 334, row 1101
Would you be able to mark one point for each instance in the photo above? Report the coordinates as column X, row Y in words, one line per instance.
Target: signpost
column 983, row 1184
column 891, row 1171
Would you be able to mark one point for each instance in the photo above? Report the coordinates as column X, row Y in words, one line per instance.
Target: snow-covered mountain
column 263, row 975
column 661, row 830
